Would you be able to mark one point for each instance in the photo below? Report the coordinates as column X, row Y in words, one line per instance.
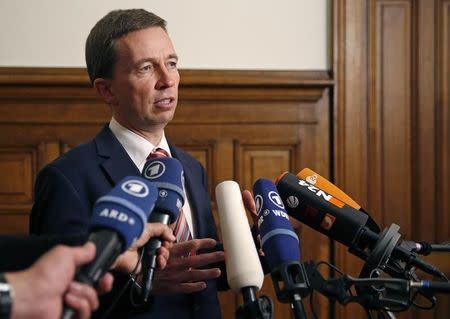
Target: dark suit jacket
column 66, row 190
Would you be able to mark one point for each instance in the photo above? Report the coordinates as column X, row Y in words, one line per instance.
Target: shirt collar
column 136, row 146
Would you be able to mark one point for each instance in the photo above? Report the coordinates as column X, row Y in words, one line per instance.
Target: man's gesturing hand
column 182, row 273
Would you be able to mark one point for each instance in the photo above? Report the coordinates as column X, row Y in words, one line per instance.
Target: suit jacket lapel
column 114, row 160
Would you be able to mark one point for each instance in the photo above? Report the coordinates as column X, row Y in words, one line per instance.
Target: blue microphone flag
column 166, row 174
column 125, row 209
column 279, row 241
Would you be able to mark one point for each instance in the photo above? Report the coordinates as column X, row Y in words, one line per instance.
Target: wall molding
column 37, row 76
column 69, row 84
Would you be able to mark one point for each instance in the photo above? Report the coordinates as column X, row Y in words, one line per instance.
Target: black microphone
column 280, row 245
column 333, row 218
column 166, row 174
column 432, row 286
column 118, row 219
column 425, row 248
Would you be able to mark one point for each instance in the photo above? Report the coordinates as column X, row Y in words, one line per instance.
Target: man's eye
column 146, row 68
column 172, row 64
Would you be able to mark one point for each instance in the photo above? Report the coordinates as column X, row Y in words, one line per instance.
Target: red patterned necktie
column 181, row 228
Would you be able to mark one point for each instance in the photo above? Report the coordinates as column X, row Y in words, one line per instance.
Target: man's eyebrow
column 154, row 60
column 173, row 56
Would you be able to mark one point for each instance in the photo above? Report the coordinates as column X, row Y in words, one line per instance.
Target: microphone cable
column 346, row 282
column 136, row 286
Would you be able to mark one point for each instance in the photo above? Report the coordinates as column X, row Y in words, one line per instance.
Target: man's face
column 145, row 80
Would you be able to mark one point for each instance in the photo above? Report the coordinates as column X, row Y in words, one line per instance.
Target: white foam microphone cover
column 241, row 258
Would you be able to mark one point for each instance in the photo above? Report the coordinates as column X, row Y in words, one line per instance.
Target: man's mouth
column 164, row 103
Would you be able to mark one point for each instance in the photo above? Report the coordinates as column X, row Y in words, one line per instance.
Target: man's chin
column 160, row 121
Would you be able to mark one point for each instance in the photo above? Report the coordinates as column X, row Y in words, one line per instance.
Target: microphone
column 333, row 218
column 316, row 180
column 118, row 219
column 244, row 269
column 166, row 174
column 433, row 286
column 281, row 247
column 425, row 248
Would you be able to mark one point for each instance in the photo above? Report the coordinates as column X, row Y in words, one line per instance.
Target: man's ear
column 103, row 88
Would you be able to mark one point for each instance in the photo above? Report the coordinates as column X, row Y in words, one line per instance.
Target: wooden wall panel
column 391, row 68
column 351, row 128
column 443, row 233
column 18, row 162
column 443, row 145
column 390, row 192
column 17, row 168
column 390, row 116
column 425, row 147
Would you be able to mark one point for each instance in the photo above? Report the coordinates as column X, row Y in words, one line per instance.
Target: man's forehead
column 145, row 43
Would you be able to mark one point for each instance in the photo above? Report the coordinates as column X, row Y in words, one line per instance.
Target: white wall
column 207, row 34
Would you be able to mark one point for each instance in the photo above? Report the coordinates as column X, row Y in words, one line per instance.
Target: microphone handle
column 68, row 313
column 254, row 307
column 150, row 254
column 441, row 248
column 248, row 294
column 108, row 246
column 149, row 266
column 434, row 286
column 297, row 307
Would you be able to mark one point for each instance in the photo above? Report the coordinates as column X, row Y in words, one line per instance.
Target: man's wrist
column 6, row 297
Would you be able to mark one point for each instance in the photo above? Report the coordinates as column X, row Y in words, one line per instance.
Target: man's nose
column 165, row 79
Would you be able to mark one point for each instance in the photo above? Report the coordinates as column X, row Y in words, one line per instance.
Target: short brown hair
column 100, row 54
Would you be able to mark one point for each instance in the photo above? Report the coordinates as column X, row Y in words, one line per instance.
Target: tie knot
column 159, row 152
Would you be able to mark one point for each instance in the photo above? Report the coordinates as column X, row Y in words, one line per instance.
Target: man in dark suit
column 133, row 67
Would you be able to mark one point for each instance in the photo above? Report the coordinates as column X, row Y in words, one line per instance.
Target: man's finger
column 105, row 284
column 86, row 292
column 80, row 255
column 183, row 248
column 191, row 275
column 154, row 230
column 161, row 230
column 161, row 261
column 187, row 288
column 197, row 260
column 164, row 253
column 80, row 305
column 167, row 244
column 249, row 204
